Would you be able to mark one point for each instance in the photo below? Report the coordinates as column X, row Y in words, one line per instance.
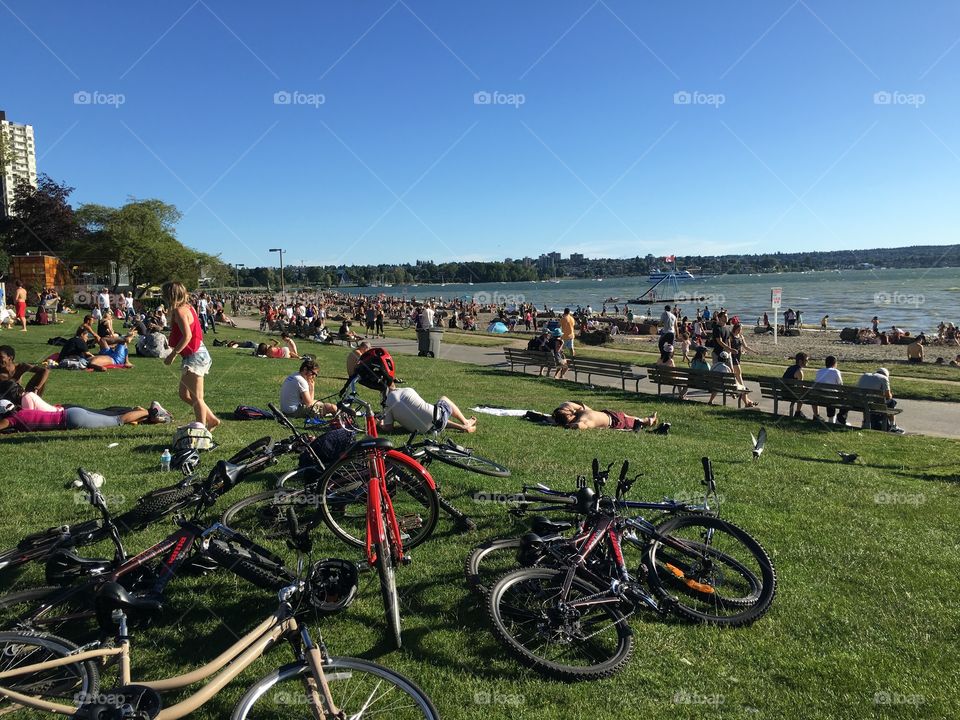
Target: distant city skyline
column 398, row 130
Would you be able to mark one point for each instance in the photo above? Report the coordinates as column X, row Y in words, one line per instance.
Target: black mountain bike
column 566, row 614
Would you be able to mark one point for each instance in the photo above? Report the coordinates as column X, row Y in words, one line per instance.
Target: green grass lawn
column 867, row 554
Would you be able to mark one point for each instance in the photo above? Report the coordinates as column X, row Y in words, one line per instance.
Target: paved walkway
column 923, row 417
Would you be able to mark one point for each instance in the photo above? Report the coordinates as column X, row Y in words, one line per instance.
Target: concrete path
column 922, row 417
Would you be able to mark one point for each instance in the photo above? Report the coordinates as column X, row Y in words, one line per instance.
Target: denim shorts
column 443, row 414
column 198, row 363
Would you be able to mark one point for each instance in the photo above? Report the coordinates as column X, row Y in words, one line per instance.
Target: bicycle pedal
column 406, row 560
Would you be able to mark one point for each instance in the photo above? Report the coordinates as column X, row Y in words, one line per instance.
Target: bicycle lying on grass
column 45, row 672
column 565, row 613
column 57, row 545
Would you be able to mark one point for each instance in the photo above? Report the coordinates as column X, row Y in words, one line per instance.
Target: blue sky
column 608, row 128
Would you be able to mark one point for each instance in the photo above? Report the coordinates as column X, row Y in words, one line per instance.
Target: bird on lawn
column 759, row 442
column 848, row 457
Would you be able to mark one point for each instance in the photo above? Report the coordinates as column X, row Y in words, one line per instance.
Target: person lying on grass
column 14, row 418
column 577, row 416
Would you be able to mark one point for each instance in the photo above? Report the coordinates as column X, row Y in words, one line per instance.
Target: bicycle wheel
column 50, row 609
column 387, row 573
column 343, row 499
column 66, row 684
column 489, row 561
column 536, row 622
column 359, row 687
column 248, row 564
column 466, row 459
column 263, row 517
column 154, row 506
column 711, row 571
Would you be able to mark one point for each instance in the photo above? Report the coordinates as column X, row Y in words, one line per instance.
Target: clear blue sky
column 400, row 163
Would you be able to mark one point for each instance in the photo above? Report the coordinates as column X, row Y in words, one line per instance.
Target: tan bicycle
column 47, row 673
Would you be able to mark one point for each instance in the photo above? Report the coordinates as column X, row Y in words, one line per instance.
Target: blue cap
column 556, row 332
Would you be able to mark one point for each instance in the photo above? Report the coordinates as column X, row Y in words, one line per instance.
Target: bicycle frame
column 218, row 672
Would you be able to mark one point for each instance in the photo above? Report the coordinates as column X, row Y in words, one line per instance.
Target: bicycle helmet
column 186, row 461
column 375, row 369
column 332, row 585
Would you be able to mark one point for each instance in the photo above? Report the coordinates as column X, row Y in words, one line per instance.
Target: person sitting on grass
column 14, row 418
column 405, row 407
column 297, row 394
column 10, row 370
column 354, row 356
column 577, row 416
column 725, row 365
column 113, row 352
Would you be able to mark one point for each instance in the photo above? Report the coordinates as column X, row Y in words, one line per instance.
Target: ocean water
column 914, row 299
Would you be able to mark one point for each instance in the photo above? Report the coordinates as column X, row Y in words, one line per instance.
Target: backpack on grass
column 191, row 437
column 248, row 412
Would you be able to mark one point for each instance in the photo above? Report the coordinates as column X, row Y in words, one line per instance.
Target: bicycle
column 357, row 497
column 41, row 671
column 148, row 573
column 566, row 615
column 57, row 545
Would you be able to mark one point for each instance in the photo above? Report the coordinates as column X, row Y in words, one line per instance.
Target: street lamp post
column 283, row 291
column 238, row 266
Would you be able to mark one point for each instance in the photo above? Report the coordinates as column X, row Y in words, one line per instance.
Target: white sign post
column 775, row 296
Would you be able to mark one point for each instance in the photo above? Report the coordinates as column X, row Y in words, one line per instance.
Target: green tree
column 43, row 220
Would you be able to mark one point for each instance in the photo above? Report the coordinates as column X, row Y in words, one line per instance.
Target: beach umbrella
column 497, row 327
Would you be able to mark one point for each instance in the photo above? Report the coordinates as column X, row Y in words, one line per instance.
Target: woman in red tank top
column 186, row 339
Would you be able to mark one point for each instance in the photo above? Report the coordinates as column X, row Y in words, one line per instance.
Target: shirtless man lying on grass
column 577, row 416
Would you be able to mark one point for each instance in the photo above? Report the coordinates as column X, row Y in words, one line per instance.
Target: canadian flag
column 670, row 258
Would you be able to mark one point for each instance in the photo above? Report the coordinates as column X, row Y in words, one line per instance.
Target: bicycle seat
column 370, row 443
column 113, row 596
column 545, row 526
column 228, row 472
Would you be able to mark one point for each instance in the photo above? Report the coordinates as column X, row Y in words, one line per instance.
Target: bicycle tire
column 67, row 684
column 703, row 581
column 386, row 571
column 261, row 571
column 487, row 563
column 351, row 680
column 151, row 508
column 544, row 585
column 466, row 460
column 343, row 499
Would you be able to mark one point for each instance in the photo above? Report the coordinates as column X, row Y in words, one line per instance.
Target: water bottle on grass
column 165, row 459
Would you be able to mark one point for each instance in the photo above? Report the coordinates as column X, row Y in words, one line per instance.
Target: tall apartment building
column 19, row 163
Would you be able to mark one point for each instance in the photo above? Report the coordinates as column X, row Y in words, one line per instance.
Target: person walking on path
column 186, row 339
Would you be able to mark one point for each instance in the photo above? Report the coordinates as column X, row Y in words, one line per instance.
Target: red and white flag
column 670, row 258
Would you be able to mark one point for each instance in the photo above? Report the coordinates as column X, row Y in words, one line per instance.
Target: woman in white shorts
column 186, row 339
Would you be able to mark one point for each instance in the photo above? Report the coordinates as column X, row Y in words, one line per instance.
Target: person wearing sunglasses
column 297, row 393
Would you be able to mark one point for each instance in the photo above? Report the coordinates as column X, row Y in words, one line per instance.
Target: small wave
column 952, row 289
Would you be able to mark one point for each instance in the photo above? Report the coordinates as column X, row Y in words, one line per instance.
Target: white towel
column 501, row 412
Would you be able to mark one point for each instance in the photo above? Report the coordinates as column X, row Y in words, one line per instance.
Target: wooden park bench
column 680, row 380
column 824, row 395
column 618, row 369
column 535, row 358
